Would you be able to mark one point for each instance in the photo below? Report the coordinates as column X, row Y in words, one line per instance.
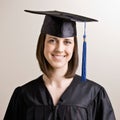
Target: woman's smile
column 58, row 57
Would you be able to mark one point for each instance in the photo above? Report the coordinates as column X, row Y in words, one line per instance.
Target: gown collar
column 65, row 95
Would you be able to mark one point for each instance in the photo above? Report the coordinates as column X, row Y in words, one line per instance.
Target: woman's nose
column 60, row 47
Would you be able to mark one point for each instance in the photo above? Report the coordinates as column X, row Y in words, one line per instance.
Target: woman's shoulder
column 33, row 82
column 90, row 88
column 87, row 81
column 31, row 85
column 88, row 84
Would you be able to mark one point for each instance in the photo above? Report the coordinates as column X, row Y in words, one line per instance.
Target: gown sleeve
column 104, row 110
column 13, row 109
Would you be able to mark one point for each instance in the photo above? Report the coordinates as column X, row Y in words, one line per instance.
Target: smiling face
column 58, row 51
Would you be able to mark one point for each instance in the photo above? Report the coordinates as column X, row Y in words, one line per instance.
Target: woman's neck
column 56, row 81
column 57, row 77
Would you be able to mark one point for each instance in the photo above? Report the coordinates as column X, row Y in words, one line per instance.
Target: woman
column 59, row 94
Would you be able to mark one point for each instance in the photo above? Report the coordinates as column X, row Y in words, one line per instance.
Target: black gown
column 80, row 101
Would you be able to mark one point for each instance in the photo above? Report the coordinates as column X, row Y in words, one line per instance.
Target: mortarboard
column 62, row 24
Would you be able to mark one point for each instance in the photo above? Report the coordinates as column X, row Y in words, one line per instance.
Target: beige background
column 19, row 32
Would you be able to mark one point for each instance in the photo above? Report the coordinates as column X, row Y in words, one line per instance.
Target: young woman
column 59, row 93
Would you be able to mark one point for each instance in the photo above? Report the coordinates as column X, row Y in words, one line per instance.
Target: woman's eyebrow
column 58, row 38
column 52, row 38
column 68, row 39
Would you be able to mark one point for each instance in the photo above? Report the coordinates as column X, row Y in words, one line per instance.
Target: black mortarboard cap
column 62, row 24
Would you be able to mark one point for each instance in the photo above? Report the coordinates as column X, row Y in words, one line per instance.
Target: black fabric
column 81, row 101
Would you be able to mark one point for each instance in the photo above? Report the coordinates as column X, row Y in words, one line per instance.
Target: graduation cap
column 62, row 24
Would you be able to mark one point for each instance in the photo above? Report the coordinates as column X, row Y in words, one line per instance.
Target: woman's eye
column 67, row 42
column 52, row 41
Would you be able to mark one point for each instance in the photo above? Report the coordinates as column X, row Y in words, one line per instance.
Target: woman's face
column 58, row 51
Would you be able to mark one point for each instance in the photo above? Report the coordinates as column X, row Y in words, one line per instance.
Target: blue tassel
column 84, row 61
column 84, row 55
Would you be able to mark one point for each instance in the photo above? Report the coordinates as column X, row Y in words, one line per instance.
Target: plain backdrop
column 19, row 33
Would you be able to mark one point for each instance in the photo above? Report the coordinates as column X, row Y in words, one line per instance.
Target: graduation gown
column 80, row 101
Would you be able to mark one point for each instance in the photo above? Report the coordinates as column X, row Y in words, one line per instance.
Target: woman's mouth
column 58, row 57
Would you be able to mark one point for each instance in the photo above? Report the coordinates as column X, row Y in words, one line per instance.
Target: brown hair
column 46, row 67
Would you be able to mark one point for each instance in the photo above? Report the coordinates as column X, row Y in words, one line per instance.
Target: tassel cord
column 84, row 55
